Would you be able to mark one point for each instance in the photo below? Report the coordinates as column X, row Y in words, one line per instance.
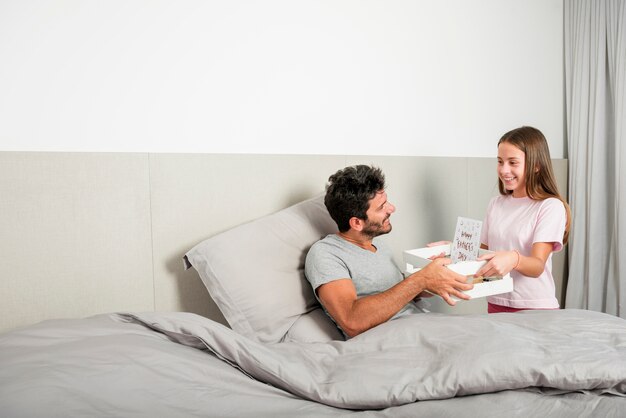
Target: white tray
column 418, row 258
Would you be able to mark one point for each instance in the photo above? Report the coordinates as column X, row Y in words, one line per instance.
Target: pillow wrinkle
column 238, row 324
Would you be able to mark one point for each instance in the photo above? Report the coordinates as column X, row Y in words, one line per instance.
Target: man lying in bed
column 353, row 274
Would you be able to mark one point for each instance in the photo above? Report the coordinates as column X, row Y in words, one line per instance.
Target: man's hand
column 440, row 280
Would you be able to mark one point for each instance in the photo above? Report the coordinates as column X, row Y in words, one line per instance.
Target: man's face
column 378, row 214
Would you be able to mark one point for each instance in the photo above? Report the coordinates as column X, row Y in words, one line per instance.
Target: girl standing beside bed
column 525, row 224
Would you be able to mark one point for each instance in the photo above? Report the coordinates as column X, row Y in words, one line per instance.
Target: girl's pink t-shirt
column 516, row 224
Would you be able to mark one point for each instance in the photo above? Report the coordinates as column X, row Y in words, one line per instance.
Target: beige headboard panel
column 87, row 233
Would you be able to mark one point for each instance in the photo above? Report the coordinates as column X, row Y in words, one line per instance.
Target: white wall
column 373, row 77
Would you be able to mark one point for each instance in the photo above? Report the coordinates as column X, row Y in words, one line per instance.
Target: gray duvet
column 548, row 363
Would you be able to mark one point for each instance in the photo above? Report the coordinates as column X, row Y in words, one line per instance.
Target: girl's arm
column 502, row 262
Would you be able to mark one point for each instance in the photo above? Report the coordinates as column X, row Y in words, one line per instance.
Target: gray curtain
column 595, row 86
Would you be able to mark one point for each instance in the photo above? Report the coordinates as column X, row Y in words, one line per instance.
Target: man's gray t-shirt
column 335, row 258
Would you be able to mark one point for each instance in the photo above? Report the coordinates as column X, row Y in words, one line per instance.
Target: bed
column 281, row 356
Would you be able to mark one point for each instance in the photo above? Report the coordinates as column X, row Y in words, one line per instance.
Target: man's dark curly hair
column 349, row 191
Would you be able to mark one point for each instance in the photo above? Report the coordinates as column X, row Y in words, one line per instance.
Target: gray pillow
column 255, row 274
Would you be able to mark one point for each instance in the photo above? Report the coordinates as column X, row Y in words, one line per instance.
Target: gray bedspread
column 559, row 363
column 428, row 356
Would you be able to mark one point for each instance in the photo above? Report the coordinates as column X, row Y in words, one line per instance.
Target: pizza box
column 418, row 258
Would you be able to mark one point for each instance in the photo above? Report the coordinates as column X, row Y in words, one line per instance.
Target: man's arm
column 356, row 315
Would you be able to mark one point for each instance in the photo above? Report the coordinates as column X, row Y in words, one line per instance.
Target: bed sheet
column 183, row 365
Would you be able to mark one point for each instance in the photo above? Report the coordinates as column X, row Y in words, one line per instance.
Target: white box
column 418, row 258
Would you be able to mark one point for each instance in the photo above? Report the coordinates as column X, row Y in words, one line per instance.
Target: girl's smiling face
column 512, row 168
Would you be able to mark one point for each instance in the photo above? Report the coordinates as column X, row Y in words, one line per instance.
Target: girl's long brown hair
column 540, row 180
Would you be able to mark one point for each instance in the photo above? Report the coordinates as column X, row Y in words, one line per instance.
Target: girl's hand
column 499, row 264
column 436, row 244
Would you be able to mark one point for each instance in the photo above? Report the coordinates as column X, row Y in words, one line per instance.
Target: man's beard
column 372, row 229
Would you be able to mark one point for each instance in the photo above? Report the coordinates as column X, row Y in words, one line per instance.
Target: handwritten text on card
column 466, row 240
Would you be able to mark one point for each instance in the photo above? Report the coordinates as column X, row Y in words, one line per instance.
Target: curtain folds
column 595, row 88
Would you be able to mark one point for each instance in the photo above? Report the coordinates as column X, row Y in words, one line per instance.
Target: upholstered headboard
column 86, row 233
